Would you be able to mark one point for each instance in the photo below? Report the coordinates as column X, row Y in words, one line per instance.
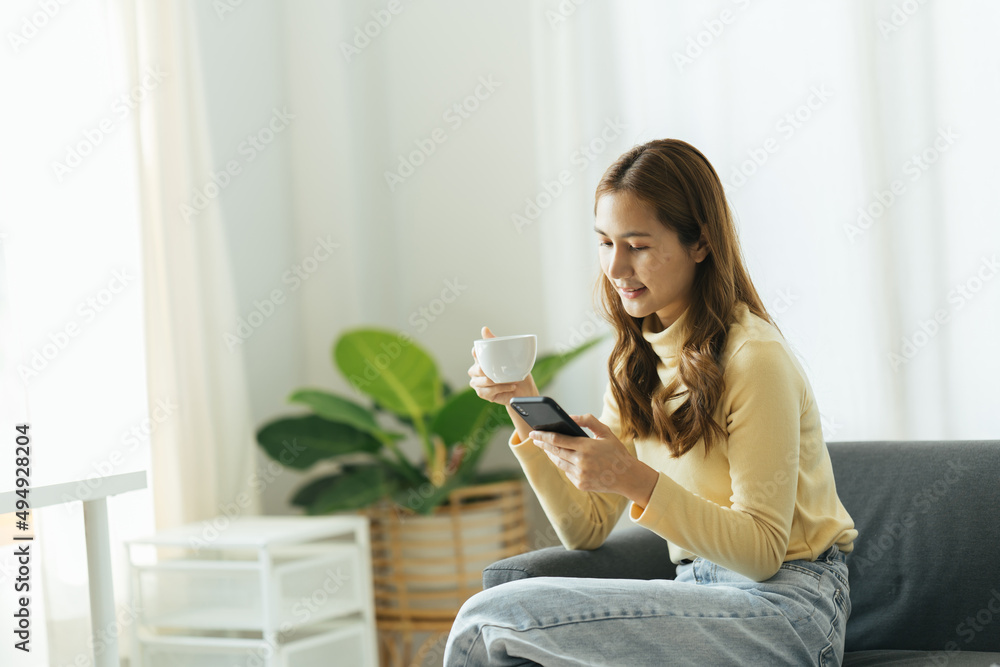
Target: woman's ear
column 701, row 249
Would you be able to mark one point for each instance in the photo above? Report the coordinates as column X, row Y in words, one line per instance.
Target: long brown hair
column 682, row 187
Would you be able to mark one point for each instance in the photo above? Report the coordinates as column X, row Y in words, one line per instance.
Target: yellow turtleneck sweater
column 764, row 495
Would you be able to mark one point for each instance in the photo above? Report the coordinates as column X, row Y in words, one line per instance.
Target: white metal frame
column 95, row 522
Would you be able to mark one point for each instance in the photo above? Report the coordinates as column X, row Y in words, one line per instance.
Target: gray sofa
column 925, row 570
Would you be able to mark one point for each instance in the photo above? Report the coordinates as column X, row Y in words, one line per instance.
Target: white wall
column 451, row 220
column 446, row 228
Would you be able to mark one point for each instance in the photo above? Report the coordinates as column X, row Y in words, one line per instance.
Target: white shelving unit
column 256, row 592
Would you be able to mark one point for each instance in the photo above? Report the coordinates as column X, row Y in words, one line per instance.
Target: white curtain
column 203, row 459
column 857, row 142
column 71, row 356
column 70, row 235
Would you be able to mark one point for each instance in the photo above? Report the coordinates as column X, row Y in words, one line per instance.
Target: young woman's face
column 638, row 252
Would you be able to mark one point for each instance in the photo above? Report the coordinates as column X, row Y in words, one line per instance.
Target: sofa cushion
column 919, row 659
column 925, row 572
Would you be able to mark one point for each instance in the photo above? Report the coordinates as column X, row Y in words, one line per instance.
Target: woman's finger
column 556, row 461
column 589, row 421
column 486, row 383
column 495, row 393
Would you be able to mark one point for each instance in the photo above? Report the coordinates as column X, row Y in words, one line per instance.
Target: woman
column 710, row 437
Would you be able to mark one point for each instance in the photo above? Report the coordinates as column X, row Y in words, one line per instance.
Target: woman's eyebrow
column 625, row 235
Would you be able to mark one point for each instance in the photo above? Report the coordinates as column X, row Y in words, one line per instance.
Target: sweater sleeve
column 762, row 404
column 581, row 519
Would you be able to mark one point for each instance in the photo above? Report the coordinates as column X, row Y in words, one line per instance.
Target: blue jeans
column 708, row 615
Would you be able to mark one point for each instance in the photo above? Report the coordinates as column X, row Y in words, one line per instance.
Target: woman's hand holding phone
column 501, row 393
column 601, row 463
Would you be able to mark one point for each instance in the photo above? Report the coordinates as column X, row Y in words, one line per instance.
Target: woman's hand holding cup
column 509, row 359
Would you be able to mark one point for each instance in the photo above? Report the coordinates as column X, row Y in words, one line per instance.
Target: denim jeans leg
column 708, row 616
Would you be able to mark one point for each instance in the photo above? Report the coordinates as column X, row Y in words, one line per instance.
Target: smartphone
column 544, row 414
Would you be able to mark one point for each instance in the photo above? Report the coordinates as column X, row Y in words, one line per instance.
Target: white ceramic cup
column 506, row 358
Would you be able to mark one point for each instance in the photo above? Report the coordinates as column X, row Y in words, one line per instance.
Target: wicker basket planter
column 425, row 567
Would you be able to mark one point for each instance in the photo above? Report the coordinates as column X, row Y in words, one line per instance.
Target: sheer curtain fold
column 202, row 456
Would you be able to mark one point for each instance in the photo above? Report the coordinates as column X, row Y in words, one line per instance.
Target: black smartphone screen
column 544, row 414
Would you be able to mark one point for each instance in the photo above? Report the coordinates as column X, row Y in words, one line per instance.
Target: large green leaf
column 471, row 420
column 393, row 370
column 402, row 419
column 546, row 367
column 337, row 409
column 298, row 442
column 353, row 488
column 461, row 416
column 487, row 424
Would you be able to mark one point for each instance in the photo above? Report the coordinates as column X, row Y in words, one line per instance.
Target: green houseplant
column 400, row 379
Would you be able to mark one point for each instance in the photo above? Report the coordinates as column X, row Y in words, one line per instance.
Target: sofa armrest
column 631, row 553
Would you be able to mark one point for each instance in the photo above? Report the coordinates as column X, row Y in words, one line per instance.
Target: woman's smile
column 632, row 293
